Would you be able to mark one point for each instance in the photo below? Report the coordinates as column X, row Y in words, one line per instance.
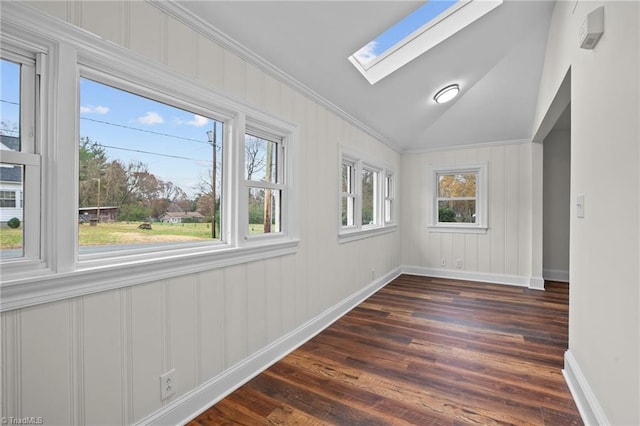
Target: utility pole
column 267, row 192
column 212, row 136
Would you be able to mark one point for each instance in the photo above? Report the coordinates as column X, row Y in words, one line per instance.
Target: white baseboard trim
column 199, row 399
column 588, row 405
column 516, row 280
column 556, row 275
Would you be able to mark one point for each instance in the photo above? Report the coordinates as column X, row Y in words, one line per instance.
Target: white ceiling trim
column 202, row 27
column 468, row 146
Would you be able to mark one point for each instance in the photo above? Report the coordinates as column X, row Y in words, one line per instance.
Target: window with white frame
column 366, row 197
column 389, row 196
column 369, row 191
column 264, row 164
column 132, row 172
column 459, row 198
column 145, row 165
column 20, row 164
column 348, row 194
column 8, row 198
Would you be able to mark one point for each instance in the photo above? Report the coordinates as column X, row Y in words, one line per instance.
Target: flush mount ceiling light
column 446, row 94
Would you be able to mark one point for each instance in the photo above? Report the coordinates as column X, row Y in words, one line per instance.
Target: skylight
column 421, row 30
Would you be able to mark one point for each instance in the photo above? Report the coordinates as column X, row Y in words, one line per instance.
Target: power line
column 154, row 153
column 9, row 102
column 144, row 130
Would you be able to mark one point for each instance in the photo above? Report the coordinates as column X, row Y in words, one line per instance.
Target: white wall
column 97, row 359
column 504, row 252
column 603, row 360
column 556, row 204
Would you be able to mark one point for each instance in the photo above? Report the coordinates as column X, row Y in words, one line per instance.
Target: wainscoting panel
column 504, row 249
column 102, row 363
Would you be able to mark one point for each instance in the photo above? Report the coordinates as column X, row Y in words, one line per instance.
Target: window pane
column 462, row 211
column 387, row 186
column 260, row 159
column 11, row 211
column 388, row 201
column 149, row 172
column 10, row 105
column 387, row 210
column 457, row 185
column 348, row 210
column 264, row 210
column 347, row 178
column 368, row 197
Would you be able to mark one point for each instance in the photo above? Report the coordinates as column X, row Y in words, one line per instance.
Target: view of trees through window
column 369, row 191
column 149, row 173
column 263, row 176
column 457, row 197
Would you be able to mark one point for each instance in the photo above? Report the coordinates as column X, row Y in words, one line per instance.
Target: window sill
column 49, row 286
column 459, row 229
column 354, row 235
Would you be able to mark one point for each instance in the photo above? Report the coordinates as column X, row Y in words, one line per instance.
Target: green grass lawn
column 10, row 238
column 117, row 233
column 128, row 233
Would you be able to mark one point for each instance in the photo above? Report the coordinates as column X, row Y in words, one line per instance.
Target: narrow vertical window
column 388, row 198
column 18, row 99
column 348, row 194
column 369, row 197
column 264, row 176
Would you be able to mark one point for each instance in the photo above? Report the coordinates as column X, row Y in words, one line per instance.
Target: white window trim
column 359, row 230
column 59, row 273
column 391, row 197
column 33, row 95
column 481, row 225
column 285, row 139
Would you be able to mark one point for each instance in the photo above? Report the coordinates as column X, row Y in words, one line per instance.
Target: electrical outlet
column 168, row 384
column 443, row 262
column 373, row 274
column 458, row 263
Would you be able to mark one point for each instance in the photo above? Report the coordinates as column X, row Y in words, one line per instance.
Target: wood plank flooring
column 422, row 351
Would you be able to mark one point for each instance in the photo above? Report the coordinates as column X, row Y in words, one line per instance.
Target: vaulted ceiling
column 497, row 61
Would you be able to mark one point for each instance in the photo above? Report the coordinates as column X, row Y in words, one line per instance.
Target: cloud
column 90, row 109
column 367, row 52
column 198, row 121
column 151, row 118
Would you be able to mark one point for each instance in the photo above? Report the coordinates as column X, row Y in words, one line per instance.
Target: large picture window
column 459, row 200
column 149, row 172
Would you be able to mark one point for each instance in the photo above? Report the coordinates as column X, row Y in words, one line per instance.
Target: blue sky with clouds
column 172, row 142
column 402, row 29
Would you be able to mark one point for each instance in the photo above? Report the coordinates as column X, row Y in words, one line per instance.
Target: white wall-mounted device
column 580, row 205
column 592, row 29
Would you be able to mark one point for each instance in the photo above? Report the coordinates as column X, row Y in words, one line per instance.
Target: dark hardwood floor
column 422, row 351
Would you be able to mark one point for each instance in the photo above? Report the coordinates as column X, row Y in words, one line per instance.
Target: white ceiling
column 497, row 61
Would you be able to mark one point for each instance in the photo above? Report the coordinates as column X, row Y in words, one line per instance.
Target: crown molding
column 467, row 146
column 178, row 12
